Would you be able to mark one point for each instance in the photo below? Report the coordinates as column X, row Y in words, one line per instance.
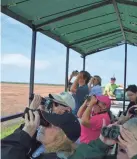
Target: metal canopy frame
column 67, row 69
column 132, row 3
column 32, row 65
column 119, row 18
column 85, row 9
column 124, row 37
column 78, row 12
column 84, row 62
column 125, row 75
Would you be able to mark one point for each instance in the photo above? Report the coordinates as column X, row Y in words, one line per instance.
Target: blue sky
column 50, row 58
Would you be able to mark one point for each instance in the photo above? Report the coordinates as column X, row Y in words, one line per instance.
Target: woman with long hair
column 95, row 86
column 132, row 95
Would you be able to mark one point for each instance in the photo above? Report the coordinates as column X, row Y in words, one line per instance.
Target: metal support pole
column 67, row 68
column 125, row 75
column 84, row 62
column 32, row 65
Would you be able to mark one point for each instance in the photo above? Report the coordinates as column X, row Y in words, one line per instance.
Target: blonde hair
column 61, row 143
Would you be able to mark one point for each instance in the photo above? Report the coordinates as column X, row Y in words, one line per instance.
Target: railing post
column 84, row 62
column 67, row 69
column 32, row 65
column 125, row 75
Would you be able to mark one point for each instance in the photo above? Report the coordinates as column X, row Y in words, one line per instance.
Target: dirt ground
column 14, row 97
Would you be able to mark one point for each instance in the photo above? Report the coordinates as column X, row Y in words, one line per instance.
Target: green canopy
column 86, row 26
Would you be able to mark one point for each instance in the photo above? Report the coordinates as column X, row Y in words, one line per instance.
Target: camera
column 133, row 111
column 111, row 132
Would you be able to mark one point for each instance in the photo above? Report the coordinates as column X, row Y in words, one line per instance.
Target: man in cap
column 61, row 103
column 58, row 132
column 111, row 87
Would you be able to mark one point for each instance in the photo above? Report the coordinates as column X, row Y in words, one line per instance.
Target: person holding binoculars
column 58, row 133
column 95, row 86
column 91, row 113
column 80, row 89
column 72, row 78
column 53, row 117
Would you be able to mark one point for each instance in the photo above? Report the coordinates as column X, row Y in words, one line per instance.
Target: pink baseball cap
column 104, row 99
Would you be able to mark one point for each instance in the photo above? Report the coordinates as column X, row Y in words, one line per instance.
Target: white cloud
column 22, row 61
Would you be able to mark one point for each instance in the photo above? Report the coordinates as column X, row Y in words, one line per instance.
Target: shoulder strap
column 111, row 116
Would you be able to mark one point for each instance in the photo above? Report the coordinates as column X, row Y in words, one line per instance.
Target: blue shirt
column 80, row 95
column 96, row 90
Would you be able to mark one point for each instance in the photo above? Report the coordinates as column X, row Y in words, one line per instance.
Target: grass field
column 8, row 130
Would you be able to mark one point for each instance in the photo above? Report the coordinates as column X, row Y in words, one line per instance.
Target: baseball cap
column 64, row 98
column 67, row 122
column 104, row 99
column 113, row 78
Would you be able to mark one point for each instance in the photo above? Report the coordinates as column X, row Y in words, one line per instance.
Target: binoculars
column 45, row 101
column 111, row 132
column 43, row 122
column 88, row 97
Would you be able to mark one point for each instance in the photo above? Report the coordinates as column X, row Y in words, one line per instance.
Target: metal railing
column 14, row 116
column 10, row 117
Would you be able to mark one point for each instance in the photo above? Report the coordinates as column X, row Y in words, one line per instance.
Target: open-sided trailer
column 86, row 26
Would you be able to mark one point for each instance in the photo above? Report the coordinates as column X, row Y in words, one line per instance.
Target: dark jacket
column 20, row 145
column 94, row 150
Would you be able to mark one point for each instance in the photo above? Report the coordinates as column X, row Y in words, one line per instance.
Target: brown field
column 14, row 97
